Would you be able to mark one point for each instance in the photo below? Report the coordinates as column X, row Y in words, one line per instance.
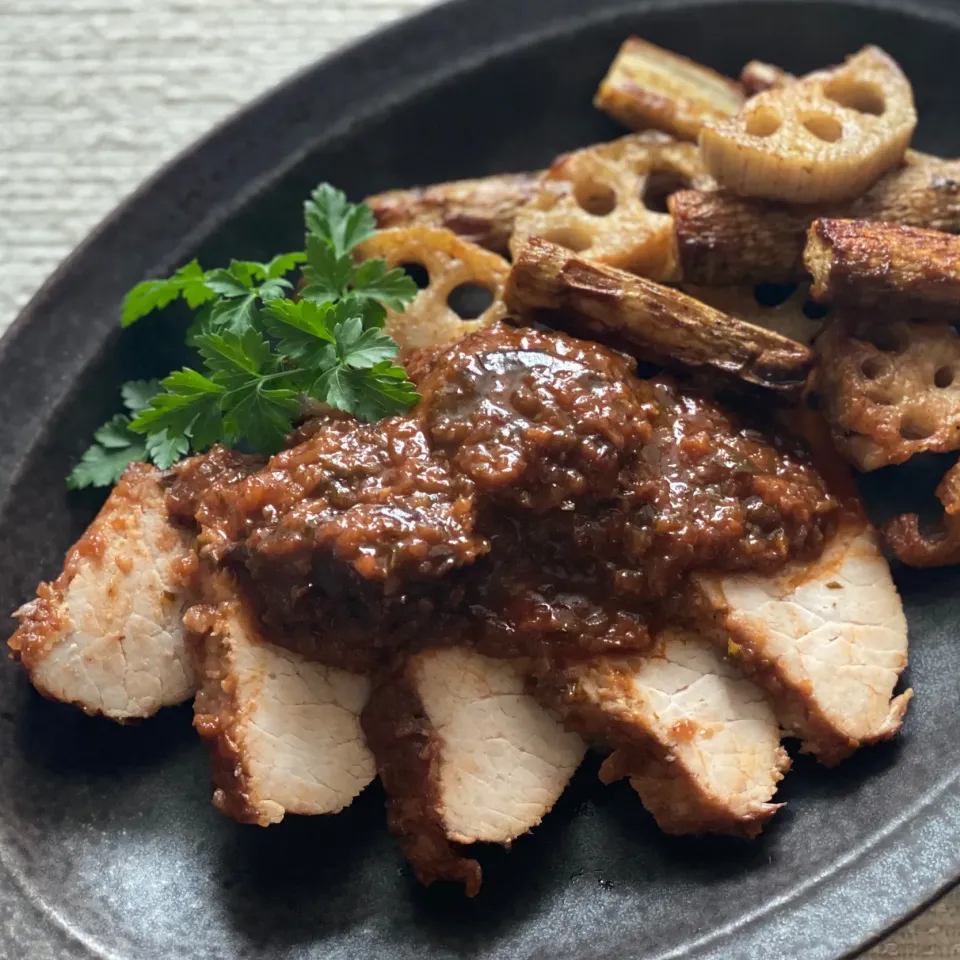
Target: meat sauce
column 540, row 499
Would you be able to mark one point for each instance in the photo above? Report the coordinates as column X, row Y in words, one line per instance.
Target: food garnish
column 265, row 349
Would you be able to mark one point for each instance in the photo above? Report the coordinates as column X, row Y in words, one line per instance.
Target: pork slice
column 284, row 732
column 466, row 756
column 106, row 635
column 829, row 639
column 698, row 740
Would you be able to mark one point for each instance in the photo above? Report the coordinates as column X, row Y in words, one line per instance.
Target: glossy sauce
column 540, row 500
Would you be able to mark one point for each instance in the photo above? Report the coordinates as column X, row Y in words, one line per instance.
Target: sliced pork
column 106, row 635
column 698, row 740
column 828, row 638
column 284, row 732
column 466, row 756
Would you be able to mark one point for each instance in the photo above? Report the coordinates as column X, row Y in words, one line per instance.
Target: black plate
column 108, row 843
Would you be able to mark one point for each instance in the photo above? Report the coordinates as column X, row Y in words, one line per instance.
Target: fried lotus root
column 647, row 86
column 886, row 267
column 451, row 264
column 605, row 202
column 889, row 389
column 481, row 211
column 940, row 547
column 758, row 76
column 828, row 137
column 784, row 308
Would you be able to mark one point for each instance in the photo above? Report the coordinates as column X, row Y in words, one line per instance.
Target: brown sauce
column 540, row 499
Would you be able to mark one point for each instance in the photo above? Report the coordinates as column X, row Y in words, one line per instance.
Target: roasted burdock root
column 481, row 211
column 466, row 756
column 608, row 202
column 725, row 239
column 698, row 740
column 941, row 546
column 828, row 638
column 647, row 86
column 657, row 323
column 888, row 388
column 885, row 267
column 283, row 731
column 758, row 76
column 827, row 137
column 783, row 308
column 452, row 266
column 106, row 634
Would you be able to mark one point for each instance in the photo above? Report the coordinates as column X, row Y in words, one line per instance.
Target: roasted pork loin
column 284, row 732
column 466, row 756
column 829, row 639
column 698, row 740
column 106, row 635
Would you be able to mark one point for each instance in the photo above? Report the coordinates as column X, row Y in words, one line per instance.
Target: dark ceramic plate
column 108, row 844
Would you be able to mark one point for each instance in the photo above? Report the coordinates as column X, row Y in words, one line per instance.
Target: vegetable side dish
column 375, row 530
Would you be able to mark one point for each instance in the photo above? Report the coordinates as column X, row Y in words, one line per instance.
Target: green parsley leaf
column 370, row 394
column 238, row 280
column 262, row 415
column 283, row 263
column 103, row 463
column 234, row 316
column 384, row 391
column 262, row 350
column 234, row 358
column 165, row 448
column 261, row 400
column 327, row 275
column 224, row 284
column 341, row 224
column 391, row 288
column 303, row 328
column 188, row 409
column 360, row 349
column 189, row 282
column 137, row 394
column 363, row 381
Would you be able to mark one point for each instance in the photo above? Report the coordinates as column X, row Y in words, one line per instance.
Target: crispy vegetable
column 827, row 137
column 481, row 211
column 264, row 353
column 608, row 202
column 885, row 267
column 941, row 546
column 889, row 389
column 654, row 322
column 647, row 86
column 758, row 76
column 452, row 265
column 725, row 239
column 782, row 308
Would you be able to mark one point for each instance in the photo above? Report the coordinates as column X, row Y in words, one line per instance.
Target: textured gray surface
column 96, row 94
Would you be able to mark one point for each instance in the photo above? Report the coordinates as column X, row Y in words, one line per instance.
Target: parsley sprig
column 263, row 350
